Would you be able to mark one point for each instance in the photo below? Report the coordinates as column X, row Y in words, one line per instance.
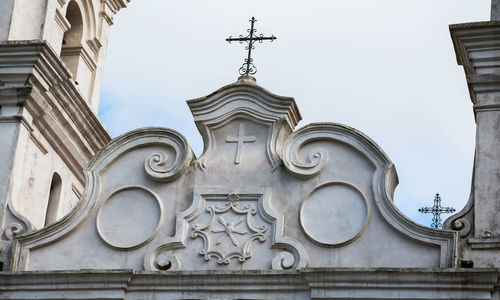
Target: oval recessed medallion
column 129, row 218
column 334, row 214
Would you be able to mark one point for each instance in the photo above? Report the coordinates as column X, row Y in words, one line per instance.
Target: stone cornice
column 83, row 53
column 282, row 107
column 116, row 5
column 316, row 283
column 477, row 46
column 244, row 99
column 61, row 21
column 54, row 97
column 111, row 7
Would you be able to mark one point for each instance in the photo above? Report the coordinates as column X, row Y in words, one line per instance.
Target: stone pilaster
column 477, row 46
column 46, row 128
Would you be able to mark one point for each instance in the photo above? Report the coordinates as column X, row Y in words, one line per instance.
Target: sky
column 386, row 68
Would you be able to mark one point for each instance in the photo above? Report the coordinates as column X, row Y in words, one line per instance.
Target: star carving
column 229, row 229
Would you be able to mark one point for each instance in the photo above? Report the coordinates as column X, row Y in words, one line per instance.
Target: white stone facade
column 267, row 211
column 77, row 30
column 51, row 59
column 260, row 197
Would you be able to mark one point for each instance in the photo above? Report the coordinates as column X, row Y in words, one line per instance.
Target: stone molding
column 80, row 52
column 54, row 100
column 313, row 283
column 116, row 5
column 111, row 7
column 333, row 185
column 107, row 232
column 476, row 46
column 82, row 210
column 476, row 49
column 61, row 20
column 384, row 180
column 224, row 105
column 292, row 256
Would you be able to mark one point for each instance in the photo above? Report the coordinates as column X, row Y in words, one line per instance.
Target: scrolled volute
column 283, row 261
column 167, row 261
column 13, row 229
column 463, row 226
column 165, row 167
column 316, row 158
column 162, row 259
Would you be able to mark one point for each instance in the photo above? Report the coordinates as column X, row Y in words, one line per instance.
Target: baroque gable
column 261, row 196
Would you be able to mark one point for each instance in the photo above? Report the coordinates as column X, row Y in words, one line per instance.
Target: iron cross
column 248, row 67
column 436, row 211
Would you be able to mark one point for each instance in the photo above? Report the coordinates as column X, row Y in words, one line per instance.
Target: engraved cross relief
column 240, row 140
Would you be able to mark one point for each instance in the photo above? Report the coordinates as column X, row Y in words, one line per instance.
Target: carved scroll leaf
column 317, row 158
column 283, row 261
column 16, row 223
column 164, row 167
column 461, row 221
column 12, row 230
column 167, row 261
column 463, row 226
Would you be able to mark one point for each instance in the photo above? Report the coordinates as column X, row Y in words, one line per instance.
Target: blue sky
column 385, row 67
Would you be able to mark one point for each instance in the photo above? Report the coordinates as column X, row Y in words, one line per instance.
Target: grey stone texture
column 267, row 211
column 495, row 10
column 310, row 283
column 478, row 223
column 261, row 196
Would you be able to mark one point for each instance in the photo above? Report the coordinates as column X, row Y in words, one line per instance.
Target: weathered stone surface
column 324, row 283
column 51, row 60
column 476, row 46
column 25, row 20
column 261, row 196
column 495, row 10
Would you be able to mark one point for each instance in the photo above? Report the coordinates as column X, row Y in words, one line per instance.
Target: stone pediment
column 261, row 196
column 237, row 114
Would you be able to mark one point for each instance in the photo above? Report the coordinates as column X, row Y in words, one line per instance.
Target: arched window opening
column 72, row 39
column 54, row 197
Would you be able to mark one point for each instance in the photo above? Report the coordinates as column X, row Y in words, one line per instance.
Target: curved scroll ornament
column 317, row 158
column 13, row 229
column 463, row 226
column 162, row 260
column 16, row 224
column 164, row 167
column 167, row 261
column 283, row 261
column 462, row 221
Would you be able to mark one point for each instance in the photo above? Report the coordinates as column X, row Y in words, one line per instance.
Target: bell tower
column 51, row 63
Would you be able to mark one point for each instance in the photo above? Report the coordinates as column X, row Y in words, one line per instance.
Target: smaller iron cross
column 248, row 67
column 436, row 212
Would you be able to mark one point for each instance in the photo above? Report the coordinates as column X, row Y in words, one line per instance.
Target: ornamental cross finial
column 248, row 67
column 436, row 211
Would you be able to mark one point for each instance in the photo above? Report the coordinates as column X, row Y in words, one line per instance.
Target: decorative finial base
column 247, row 79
